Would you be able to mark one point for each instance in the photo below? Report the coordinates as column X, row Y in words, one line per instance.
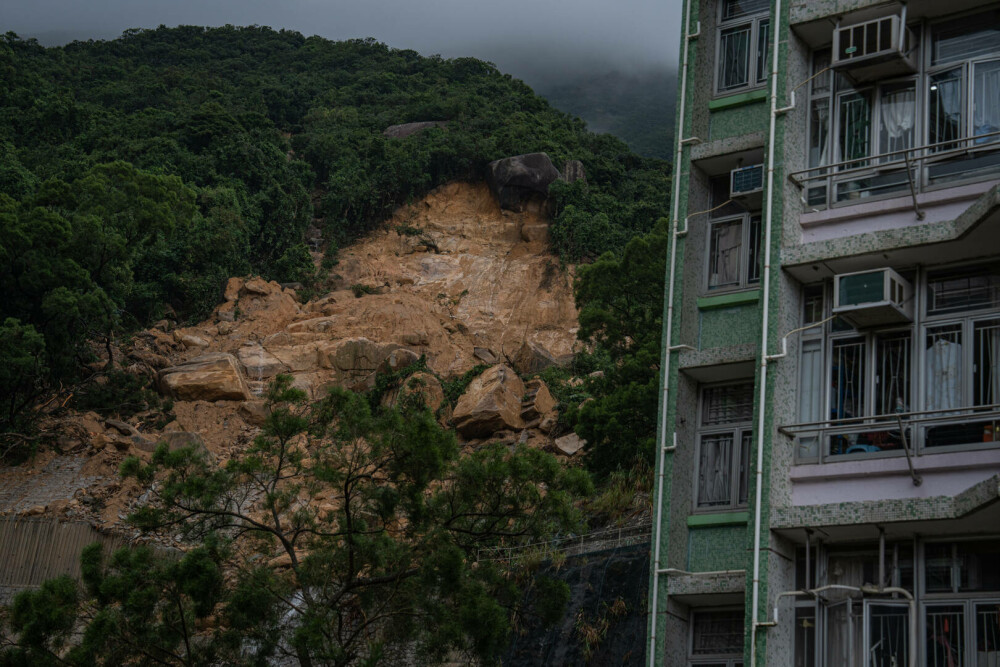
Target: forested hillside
column 311, row 462
column 137, row 174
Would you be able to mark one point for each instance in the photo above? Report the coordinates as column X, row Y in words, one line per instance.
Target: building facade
column 828, row 461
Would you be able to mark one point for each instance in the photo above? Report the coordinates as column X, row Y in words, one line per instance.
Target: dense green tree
column 621, row 306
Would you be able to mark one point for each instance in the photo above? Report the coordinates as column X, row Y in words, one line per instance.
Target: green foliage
column 140, row 173
column 621, row 302
column 360, row 290
column 120, row 393
column 390, row 555
column 22, row 375
column 456, row 386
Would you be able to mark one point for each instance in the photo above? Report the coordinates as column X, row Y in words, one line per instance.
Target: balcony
column 907, row 172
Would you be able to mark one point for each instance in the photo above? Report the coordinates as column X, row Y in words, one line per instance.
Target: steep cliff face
column 451, row 277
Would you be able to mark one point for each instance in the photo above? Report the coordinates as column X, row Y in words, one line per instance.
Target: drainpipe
column 766, row 303
column 667, row 348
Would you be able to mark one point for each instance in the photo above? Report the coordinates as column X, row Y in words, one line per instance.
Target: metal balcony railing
column 904, row 433
column 909, row 171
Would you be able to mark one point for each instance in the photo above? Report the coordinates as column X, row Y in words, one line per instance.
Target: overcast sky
column 528, row 38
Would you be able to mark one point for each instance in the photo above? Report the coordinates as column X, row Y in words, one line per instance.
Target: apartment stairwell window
column 724, row 441
column 742, row 53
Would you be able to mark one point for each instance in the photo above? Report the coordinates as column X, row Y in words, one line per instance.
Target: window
column 724, row 441
column 744, row 28
column 717, row 638
column 944, row 368
column 957, row 605
column 922, row 124
column 733, row 242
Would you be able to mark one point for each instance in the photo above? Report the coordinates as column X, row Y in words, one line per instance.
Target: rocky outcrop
column 491, row 403
column 515, row 180
column 210, row 377
column 424, row 385
column 406, row 129
column 258, row 363
column 538, row 402
column 569, row 445
column 532, row 358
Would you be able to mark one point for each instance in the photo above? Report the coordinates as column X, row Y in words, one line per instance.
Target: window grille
column 717, row 633
column 727, row 404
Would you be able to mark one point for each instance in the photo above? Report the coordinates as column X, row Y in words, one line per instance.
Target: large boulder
column 406, row 129
column 423, row 384
column 258, row 363
column 491, row 403
column 538, row 401
column 532, row 358
column 515, row 180
column 354, row 355
column 210, row 377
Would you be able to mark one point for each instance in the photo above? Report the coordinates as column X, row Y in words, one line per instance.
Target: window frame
column 728, row 659
column 868, row 182
column 737, row 429
column 978, row 384
column 747, row 250
column 754, row 21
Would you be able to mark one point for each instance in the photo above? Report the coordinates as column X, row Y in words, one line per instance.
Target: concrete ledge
column 719, row 519
column 934, row 508
column 728, row 299
column 738, row 100
column 683, row 585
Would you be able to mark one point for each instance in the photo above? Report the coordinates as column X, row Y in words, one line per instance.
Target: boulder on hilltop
column 406, row 129
column 515, row 180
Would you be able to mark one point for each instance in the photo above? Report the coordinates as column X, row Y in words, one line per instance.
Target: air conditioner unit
column 874, row 49
column 873, row 298
column 746, row 184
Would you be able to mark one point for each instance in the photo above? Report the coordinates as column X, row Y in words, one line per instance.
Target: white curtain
column 899, row 110
column 944, row 375
column 986, row 100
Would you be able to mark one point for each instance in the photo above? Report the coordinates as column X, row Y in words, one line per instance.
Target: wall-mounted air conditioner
column 746, row 184
column 873, row 298
column 874, row 49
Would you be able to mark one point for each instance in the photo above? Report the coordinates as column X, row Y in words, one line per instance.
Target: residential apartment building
column 828, row 462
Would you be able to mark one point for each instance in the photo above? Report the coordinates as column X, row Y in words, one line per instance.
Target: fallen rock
column 254, row 412
column 424, row 385
column 548, row 423
column 210, row 377
column 569, row 444
column 514, row 180
column 260, row 287
column 406, row 129
column 258, row 363
column 491, row 403
column 121, row 427
column 484, row 355
column 539, row 401
column 397, row 360
column 233, row 287
column 177, row 439
column 532, row 358
column 190, row 340
column 142, row 442
column 354, row 355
